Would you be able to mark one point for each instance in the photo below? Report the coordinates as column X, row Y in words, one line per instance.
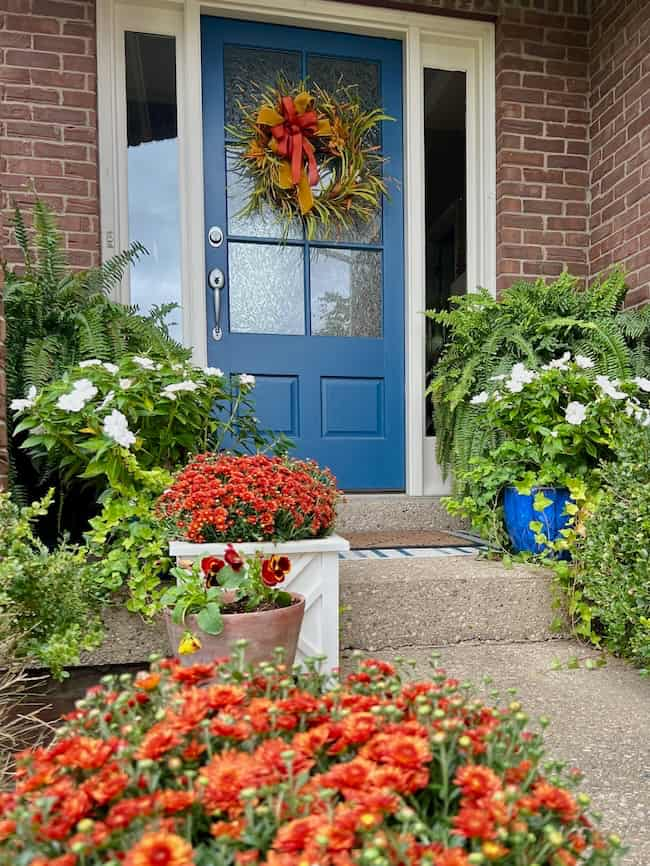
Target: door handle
column 216, row 281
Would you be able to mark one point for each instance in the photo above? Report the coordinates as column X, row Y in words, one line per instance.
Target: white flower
column 610, row 387
column 584, row 362
column 498, row 378
column 83, row 390
column 146, row 363
column 479, row 399
column 112, row 368
column 116, row 427
column 575, row 413
column 125, row 383
column 91, row 362
column 520, row 375
column 246, row 379
column 170, row 390
column 212, row 371
column 559, row 363
column 642, row 383
column 554, row 434
column 107, row 399
column 26, row 402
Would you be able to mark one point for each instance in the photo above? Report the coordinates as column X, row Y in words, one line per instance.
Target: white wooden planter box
column 314, row 574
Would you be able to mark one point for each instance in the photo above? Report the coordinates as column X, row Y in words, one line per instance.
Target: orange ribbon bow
column 291, row 130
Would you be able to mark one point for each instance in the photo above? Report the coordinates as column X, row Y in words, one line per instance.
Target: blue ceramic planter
column 518, row 513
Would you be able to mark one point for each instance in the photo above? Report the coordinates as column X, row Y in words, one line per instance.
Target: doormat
column 408, row 538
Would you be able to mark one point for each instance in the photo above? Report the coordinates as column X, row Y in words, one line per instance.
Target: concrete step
column 390, row 511
column 395, row 603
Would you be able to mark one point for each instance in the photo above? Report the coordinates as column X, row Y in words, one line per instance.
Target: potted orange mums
column 262, row 528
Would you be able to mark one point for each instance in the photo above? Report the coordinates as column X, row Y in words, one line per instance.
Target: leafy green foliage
column 608, row 585
column 553, row 427
column 129, row 545
column 51, row 599
column 532, row 323
column 56, row 318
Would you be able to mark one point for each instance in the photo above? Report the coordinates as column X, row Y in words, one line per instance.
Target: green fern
column 532, row 322
column 57, row 317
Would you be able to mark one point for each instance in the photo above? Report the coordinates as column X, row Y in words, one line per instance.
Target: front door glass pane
column 244, row 67
column 266, row 288
column 346, row 287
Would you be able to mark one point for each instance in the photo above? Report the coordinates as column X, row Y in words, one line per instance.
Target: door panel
column 319, row 323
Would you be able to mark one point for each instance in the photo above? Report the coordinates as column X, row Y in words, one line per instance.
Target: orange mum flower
column 406, row 752
column 452, row 857
column 160, row 739
column 557, row 800
column 474, row 823
column 476, row 781
column 160, row 849
column 227, row 775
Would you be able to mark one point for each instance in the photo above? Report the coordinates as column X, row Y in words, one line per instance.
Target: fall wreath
column 312, row 155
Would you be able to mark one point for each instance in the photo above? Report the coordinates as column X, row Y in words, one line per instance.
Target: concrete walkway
column 600, row 719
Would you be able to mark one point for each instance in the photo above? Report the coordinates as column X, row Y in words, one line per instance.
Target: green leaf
column 210, row 619
column 541, row 502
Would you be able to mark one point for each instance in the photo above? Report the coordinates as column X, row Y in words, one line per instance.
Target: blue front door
column 319, row 323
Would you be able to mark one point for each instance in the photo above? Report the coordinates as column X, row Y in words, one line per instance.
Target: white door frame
column 429, row 41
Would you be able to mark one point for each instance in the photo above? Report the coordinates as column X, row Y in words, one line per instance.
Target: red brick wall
column 620, row 142
column 542, row 139
column 48, row 129
column 48, row 122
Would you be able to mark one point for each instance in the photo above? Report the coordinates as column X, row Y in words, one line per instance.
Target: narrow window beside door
column 445, row 198
column 152, row 166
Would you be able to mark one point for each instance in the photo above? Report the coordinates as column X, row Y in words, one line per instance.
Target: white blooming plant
column 86, row 421
column 552, row 426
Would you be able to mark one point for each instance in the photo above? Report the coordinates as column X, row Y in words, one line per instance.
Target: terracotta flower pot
column 264, row 630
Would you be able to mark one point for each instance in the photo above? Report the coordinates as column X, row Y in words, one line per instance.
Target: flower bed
column 262, row 768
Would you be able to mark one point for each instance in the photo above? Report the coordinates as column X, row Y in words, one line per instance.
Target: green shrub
column 532, row 323
column 49, row 600
column 57, row 317
column 609, row 583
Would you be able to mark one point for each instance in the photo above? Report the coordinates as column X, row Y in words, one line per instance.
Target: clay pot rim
column 298, row 603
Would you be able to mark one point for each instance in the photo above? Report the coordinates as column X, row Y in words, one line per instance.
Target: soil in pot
column 263, row 629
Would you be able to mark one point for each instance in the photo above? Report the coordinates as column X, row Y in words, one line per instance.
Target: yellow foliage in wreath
column 310, row 154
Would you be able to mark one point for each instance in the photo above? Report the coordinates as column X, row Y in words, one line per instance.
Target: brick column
column 620, row 142
column 542, row 146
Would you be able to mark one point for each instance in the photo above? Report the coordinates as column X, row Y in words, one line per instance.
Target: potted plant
column 223, row 600
column 552, row 430
column 267, row 507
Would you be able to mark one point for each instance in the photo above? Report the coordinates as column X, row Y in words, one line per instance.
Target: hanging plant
column 310, row 154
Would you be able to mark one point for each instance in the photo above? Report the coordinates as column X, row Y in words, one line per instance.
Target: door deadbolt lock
column 216, row 279
column 215, row 236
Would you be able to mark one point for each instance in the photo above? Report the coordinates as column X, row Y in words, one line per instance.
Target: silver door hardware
column 216, row 281
column 215, row 236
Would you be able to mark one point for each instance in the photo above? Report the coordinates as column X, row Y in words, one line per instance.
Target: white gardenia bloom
column 212, row 371
column 145, row 363
column 23, row 403
column 559, row 363
column 575, row 413
column 112, row 368
column 116, row 427
column 520, row 375
column 610, row 387
column 642, row 383
column 83, row 390
column 170, row 390
column 246, row 379
column 479, row 399
column 584, row 362
column 499, row 378
column 125, row 384
column 91, row 362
